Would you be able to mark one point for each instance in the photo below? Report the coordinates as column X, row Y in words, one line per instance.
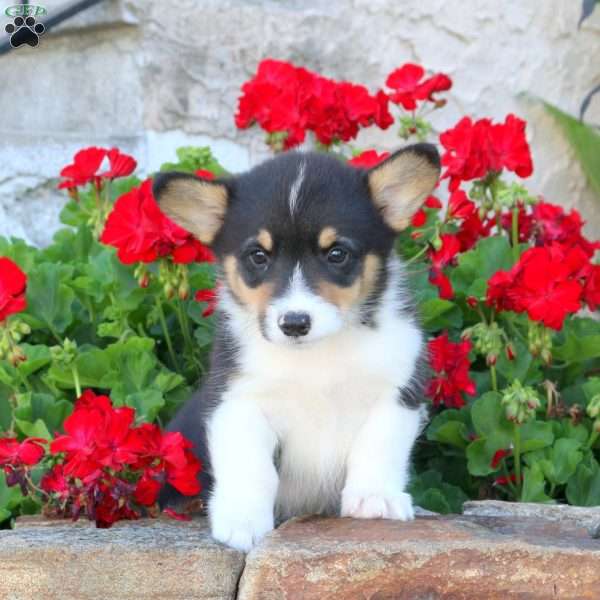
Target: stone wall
column 151, row 75
column 495, row 551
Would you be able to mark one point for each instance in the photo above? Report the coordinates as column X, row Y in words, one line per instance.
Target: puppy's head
column 303, row 238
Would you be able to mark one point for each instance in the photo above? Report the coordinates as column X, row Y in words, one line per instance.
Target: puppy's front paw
column 361, row 505
column 239, row 526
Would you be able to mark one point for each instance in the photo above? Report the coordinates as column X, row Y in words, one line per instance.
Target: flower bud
column 510, row 352
column 491, row 360
column 520, row 402
column 472, row 301
column 169, row 290
column 23, row 328
column 184, row 291
column 593, row 407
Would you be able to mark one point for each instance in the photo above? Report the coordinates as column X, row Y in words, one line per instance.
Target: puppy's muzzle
column 294, row 324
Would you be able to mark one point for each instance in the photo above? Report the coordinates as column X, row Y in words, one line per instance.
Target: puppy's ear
column 195, row 204
column 402, row 181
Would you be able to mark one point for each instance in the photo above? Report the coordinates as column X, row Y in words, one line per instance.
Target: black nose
column 294, row 324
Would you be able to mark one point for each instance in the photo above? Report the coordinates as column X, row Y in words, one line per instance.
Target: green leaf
column 48, row 298
column 450, row 427
column 536, row 435
column 489, row 419
column 147, row 404
column 584, row 140
column 36, row 429
column 432, row 493
column 476, row 266
column 534, row 485
column 37, row 358
column 10, row 497
column 559, row 463
column 92, row 365
column 437, row 314
column 480, row 454
column 583, row 489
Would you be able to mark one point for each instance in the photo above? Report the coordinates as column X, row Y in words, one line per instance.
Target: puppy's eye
column 259, row 258
column 338, row 256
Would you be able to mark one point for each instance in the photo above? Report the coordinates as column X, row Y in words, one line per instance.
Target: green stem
column 417, row 255
column 163, row 324
column 75, row 373
column 517, row 456
column 494, row 377
column 511, row 485
column 592, row 440
column 515, row 234
column 185, row 330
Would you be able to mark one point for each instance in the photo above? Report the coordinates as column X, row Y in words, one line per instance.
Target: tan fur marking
column 265, row 240
column 256, row 298
column 359, row 291
column 399, row 187
column 327, row 236
column 196, row 206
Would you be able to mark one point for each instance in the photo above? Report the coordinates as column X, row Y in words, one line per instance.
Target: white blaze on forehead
column 295, row 189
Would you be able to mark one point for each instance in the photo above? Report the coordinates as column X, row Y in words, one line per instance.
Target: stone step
column 496, row 551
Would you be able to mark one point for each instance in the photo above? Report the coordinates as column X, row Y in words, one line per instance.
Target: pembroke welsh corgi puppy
column 313, row 399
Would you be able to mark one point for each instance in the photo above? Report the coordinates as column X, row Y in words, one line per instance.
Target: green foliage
column 584, row 140
column 93, row 326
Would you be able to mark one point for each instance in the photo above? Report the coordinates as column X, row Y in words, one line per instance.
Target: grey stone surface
column 577, row 515
column 150, row 75
column 153, row 559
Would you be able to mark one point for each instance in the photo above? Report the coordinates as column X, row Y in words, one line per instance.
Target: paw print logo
column 24, row 31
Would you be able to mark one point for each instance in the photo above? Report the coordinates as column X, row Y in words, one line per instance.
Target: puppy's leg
column 241, row 448
column 377, row 468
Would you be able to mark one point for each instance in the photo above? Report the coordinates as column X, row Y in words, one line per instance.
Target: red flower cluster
column 13, row 283
column 108, row 469
column 475, row 149
column 548, row 283
column 409, row 88
column 142, row 233
column 285, row 98
column 87, row 162
column 368, row 159
column 450, row 363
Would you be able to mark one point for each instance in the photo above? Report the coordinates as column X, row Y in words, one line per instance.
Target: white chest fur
column 316, row 398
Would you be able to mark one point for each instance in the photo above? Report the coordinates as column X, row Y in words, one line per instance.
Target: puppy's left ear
column 400, row 184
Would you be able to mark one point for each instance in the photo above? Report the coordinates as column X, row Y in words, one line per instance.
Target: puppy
column 312, row 403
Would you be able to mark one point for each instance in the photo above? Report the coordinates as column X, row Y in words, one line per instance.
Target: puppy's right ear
column 197, row 205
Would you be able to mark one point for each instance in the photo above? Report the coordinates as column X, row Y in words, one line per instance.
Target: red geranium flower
column 121, row 164
column 136, row 226
column 142, row 233
column 552, row 224
column 204, row 174
column 15, row 454
column 13, row 283
column 475, row 149
column 591, row 291
column 210, row 297
column 283, row 98
column 450, row 363
column 459, row 205
column 368, row 159
column 406, row 81
column 545, row 283
column 445, row 255
column 498, row 456
column 84, row 168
